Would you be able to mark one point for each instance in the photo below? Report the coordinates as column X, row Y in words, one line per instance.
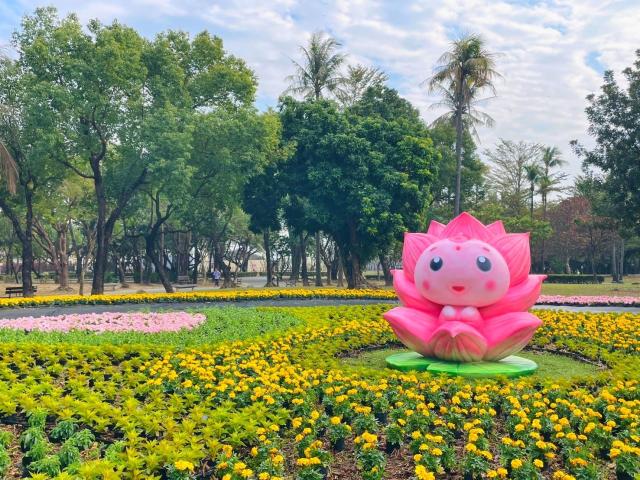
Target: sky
column 552, row 54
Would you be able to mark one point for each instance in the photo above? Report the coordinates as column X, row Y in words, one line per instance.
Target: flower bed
column 275, row 294
column 588, row 300
column 109, row 322
column 283, row 406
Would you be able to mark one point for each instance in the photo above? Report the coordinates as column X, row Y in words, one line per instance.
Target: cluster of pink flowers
column 591, row 300
column 109, row 322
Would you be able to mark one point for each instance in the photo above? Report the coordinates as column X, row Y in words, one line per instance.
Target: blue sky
column 552, row 53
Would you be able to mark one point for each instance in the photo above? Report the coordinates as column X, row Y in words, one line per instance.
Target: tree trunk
column 352, row 259
column 621, row 266
column 531, row 195
column 614, row 262
column 100, row 263
column 340, row 274
column 303, row 261
column 27, row 246
column 386, row 270
column 459, row 131
column 318, row 270
column 63, row 261
column 295, row 263
column 150, row 241
column 266, row 241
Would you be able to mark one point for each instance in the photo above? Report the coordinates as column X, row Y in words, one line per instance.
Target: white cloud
column 545, row 46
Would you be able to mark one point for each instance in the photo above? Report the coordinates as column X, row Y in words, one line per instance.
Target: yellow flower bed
column 199, row 296
column 282, row 406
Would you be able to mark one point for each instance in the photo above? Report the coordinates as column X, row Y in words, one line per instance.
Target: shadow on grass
column 550, row 366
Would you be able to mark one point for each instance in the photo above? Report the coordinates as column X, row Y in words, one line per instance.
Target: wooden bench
column 10, row 291
column 184, row 282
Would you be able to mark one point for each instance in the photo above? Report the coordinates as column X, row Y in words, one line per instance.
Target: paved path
column 128, row 307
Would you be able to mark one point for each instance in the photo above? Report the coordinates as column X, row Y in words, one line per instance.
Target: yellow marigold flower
column 436, row 452
column 183, row 465
column 470, row 447
column 538, row 463
column 516, row 463
column 492, row 474
column 335, row 420
column 423, row 474
column 502, row 472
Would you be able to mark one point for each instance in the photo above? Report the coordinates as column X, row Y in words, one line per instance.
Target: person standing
column 216, row 277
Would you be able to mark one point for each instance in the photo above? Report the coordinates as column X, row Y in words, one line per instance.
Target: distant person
column 216, row 277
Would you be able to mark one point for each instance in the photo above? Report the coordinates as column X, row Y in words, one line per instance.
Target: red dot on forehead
column 458, row 247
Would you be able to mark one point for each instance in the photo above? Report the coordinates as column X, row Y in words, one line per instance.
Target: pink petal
column 508, row 334
column 459, row 342
column 435, row 228
column 466, row 227
column 497, row 228
column 409, row 295
column 413, row 328
column 518, row 298
column 514, row 247
column 414, row 245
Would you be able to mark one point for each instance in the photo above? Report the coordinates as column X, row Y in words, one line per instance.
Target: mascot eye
column 436, row 264
column 483, row 263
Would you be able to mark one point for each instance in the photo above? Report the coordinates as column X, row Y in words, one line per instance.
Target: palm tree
column 549, row 182
column 320, row 68
column 532, row 172
column 319, row 72
column 462, row 74
column 8, row 167
column 357, row 80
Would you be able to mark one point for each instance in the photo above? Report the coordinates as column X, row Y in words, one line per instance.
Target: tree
column 444, row 186
column 533, row 173
column 356, row 82
column 614, row 122
column 364, row 173
column 549, row 182
column 462, row 74
column 319, row 72
column 31, row 143
column 508, row 163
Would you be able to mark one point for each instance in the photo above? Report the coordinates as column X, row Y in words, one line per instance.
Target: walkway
column 127, row 307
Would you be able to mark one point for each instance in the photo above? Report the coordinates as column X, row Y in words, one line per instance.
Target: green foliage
column 614, row 122
column 362, row 176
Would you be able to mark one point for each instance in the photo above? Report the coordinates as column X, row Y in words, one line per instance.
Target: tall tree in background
column 549, row 182
column 319, row 72
column 31, row 143
column 356, row 81
column 462, row 75
column 508, row 163
column 614, row 122
column 532, row 172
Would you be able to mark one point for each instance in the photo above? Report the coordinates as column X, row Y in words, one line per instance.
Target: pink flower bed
column 594, row 300
column 109, row 322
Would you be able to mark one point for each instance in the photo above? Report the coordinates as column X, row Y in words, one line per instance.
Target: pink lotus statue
column 465, row 290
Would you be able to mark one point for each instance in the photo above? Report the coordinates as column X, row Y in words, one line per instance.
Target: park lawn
column 630, row 288
column 550, row 366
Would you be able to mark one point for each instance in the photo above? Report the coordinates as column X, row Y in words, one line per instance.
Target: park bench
column 184, row 282
column 10, row 291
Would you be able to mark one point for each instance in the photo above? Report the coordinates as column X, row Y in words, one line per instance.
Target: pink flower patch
column 592, row 300
column 109, row 322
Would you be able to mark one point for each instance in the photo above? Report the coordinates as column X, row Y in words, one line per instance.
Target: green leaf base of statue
column 511, row 366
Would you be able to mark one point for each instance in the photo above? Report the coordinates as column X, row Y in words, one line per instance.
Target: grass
column 550, row 366
column 222, row 324
column 630, row 288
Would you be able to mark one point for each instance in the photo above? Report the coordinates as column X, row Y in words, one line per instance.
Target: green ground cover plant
column 268, row 405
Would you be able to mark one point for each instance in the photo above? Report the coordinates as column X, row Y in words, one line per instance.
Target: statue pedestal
column 511, row 366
